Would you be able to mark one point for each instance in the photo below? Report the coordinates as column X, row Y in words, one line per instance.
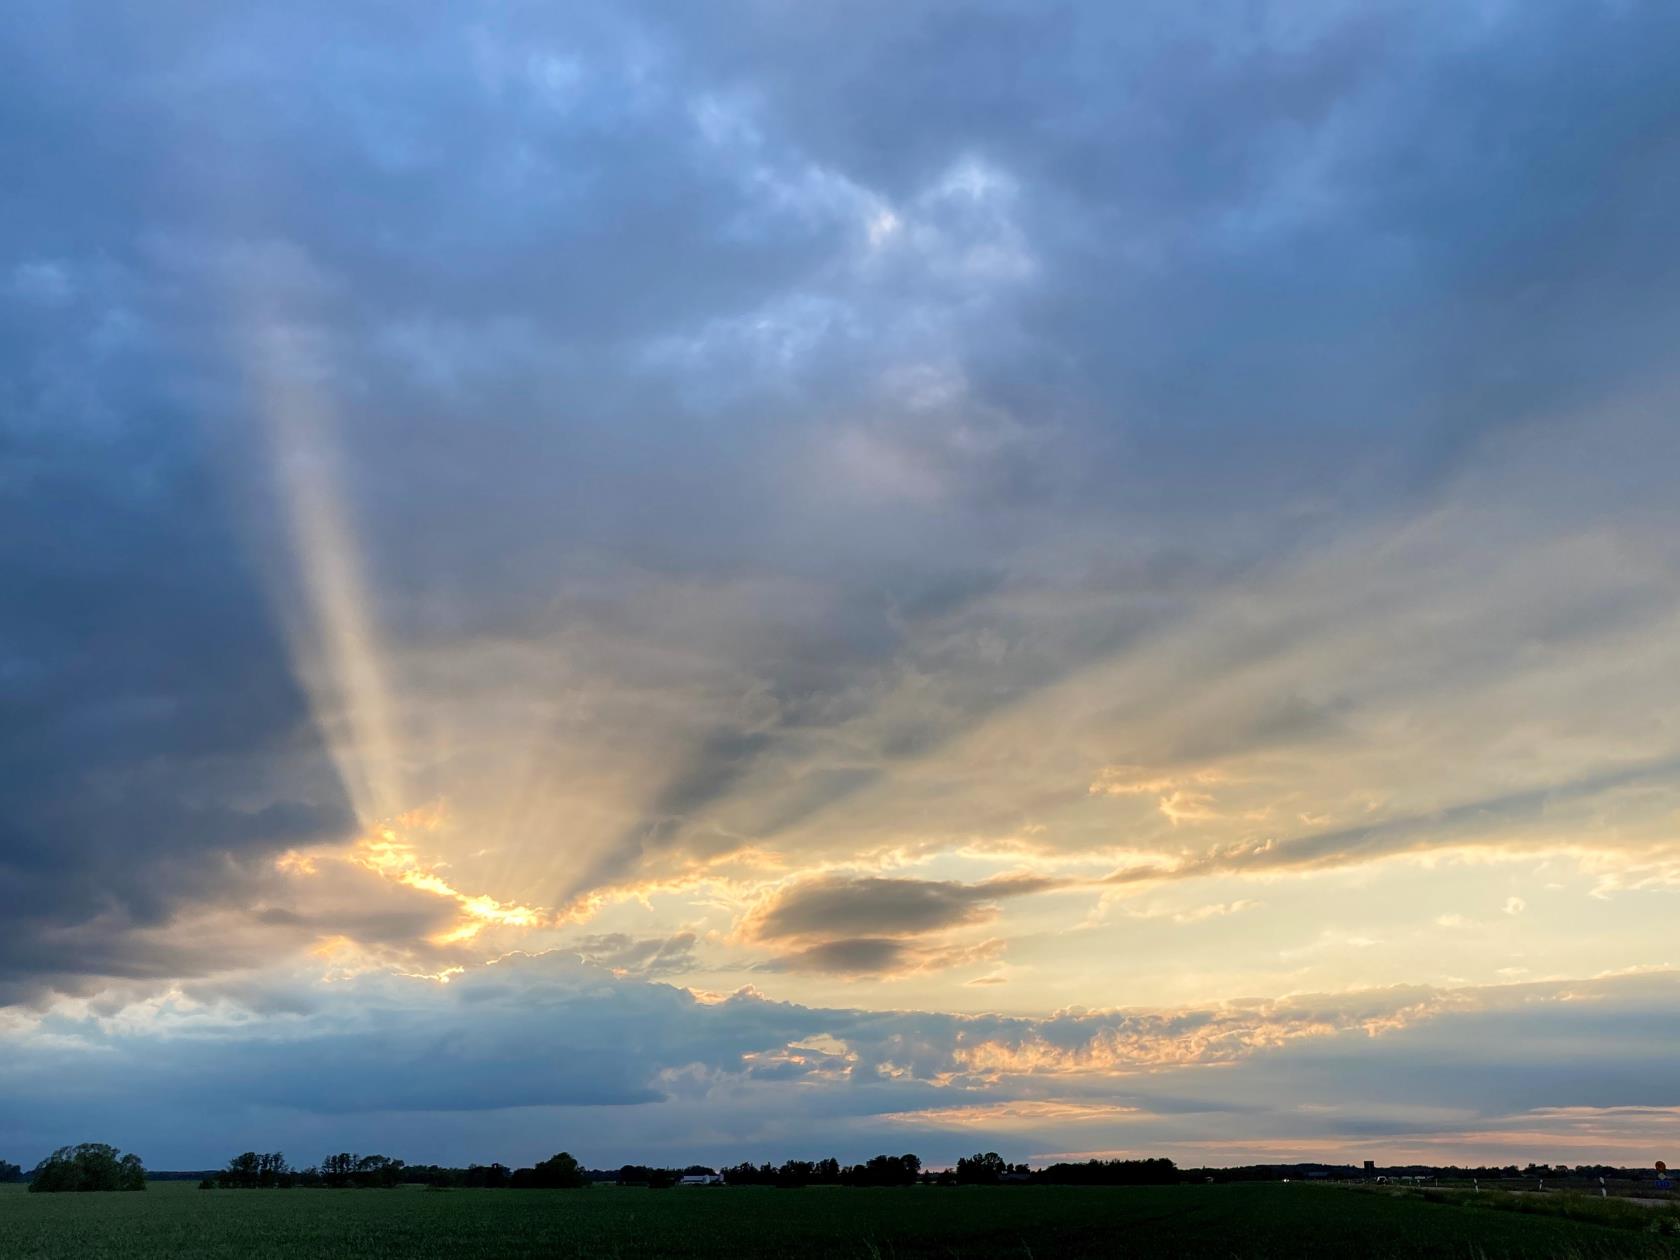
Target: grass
column 1617, row 1213
column 1250, row 1222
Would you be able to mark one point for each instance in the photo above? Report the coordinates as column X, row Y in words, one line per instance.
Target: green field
column 1256, row 1220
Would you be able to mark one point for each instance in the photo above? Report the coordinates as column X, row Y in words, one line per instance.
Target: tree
column 1112, row 1172
column 10, row 1172
column 981, row 1170
column 796, row 1173
column 378, row 1171
column 89, row 1166
column 558, row 1172
column 884, row 1170
column 253, row 1170
column 338, row 1170
column 273, row 1170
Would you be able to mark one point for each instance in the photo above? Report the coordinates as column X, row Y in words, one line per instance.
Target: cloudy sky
column 765, row 579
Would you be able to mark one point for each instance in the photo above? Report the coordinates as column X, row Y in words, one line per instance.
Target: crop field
column 1268, row 1220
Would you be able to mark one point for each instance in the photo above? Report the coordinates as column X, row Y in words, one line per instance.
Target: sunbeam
column 332, row 626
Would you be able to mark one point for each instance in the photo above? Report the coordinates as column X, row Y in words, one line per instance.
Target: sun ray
column 332, row 625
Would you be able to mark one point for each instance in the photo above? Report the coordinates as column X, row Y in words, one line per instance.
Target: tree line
column 256, row 1170
column 96, row 1166
column 269, row 1170
column 986, row 1168
column 881, row 1170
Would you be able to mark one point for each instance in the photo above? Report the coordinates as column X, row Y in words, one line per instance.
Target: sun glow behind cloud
column 389, row 850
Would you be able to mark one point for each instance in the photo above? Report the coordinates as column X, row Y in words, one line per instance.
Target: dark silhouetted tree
column 360, row 1171
column 795, row 1174
column 981, row 1170
column 488, row 1176
column 1112, row 1172
column 883, row 1170
column 559, row 1172
column 255, row 1171
column 377, row 1172
column 10, row 1172
column 90, row 1166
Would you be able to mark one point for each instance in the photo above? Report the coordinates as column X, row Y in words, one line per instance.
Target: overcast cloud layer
column 924, row 573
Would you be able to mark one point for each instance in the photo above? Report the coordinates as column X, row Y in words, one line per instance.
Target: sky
column 768, row 579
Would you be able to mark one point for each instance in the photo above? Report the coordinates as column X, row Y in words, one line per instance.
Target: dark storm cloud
column 151, row 737
column 891, row 907
column 880, row 957
column 605, row 304
column 877, row 926
column 856, row 956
